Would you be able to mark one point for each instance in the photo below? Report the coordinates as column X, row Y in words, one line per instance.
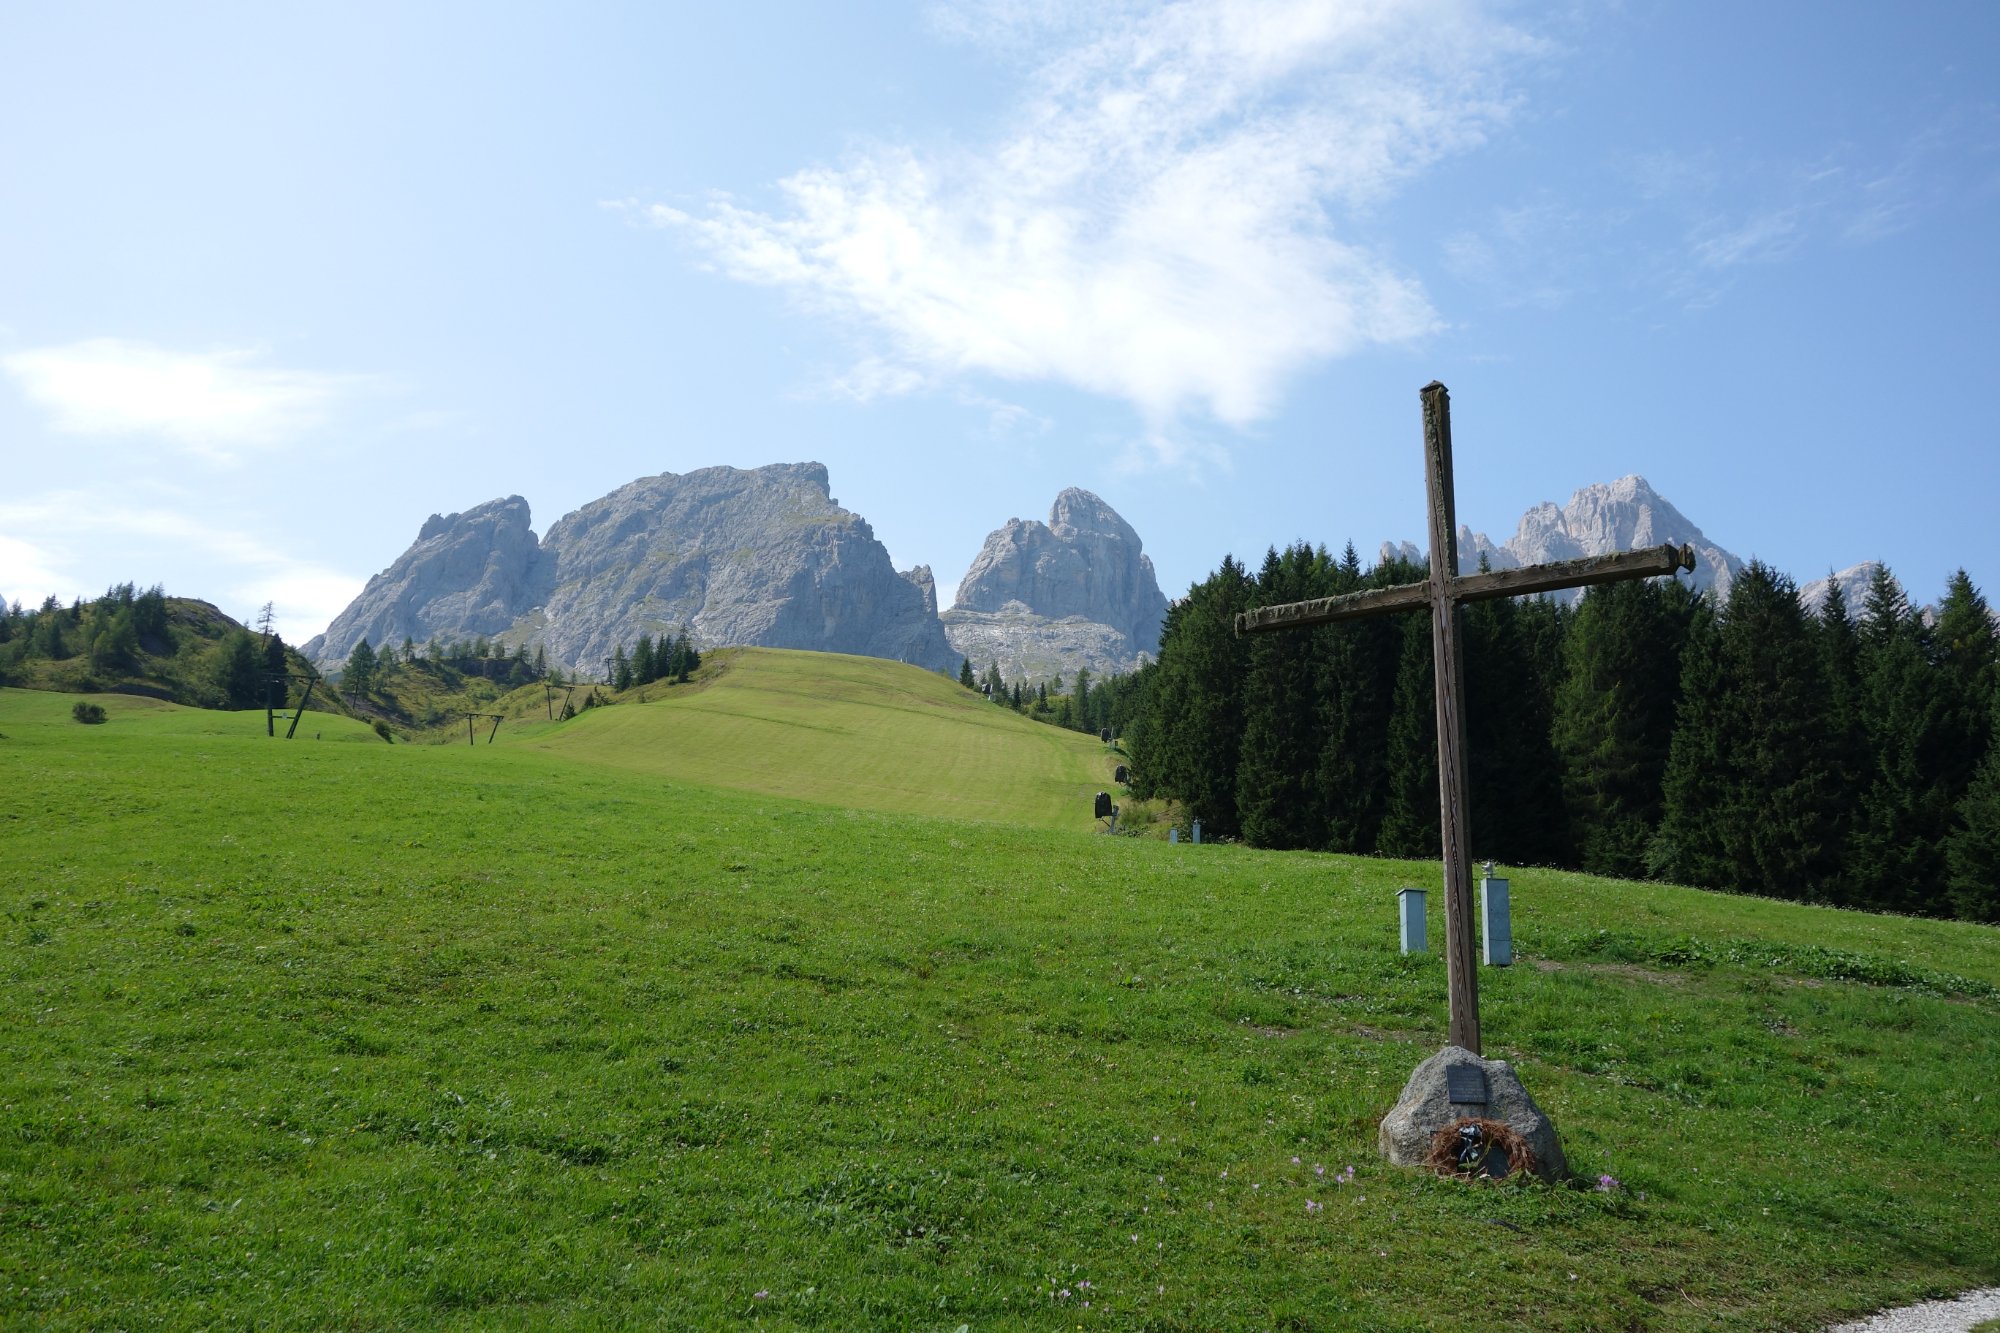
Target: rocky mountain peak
column 510, row 513
column 1043, row 599
column 1851, row 583
column 1077, row 513
column 1085, row 561
column 1623, row 515
column 468, row 574
column 919, row 576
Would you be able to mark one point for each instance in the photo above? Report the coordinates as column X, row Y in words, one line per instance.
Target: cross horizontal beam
column 1470, row 588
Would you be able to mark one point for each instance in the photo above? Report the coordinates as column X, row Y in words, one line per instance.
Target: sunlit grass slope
column 379, row 1037
column 857, row 732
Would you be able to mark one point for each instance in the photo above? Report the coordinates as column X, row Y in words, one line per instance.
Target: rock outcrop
column 1852, row 584
column 1624, row 515
column 920, row 577
column 1426, row 1106
column 468, row 574
column 1044, row 599
column 733, row 557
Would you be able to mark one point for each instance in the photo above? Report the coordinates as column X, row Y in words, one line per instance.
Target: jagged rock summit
column 1044, row 599
column 467, row 574
column 763, row 556
column 1851, row 583
column 1624, row 515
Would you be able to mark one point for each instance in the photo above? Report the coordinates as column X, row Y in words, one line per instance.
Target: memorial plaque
column 1465, row 1084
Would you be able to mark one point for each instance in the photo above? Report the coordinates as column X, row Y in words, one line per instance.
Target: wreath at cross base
column 1476, row 1146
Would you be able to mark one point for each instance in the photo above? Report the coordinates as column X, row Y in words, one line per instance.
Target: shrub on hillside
column 88, row 713
column 382, row 730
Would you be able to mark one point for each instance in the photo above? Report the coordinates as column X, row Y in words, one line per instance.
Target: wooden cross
column 1442, row 592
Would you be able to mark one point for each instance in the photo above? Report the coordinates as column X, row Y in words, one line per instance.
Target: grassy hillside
column 486, row 1036
column 857, row 732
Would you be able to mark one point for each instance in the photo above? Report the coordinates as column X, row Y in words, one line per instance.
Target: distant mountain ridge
column 766, row 557
column 759, row 557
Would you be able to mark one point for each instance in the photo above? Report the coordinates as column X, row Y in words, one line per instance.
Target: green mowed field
column 856, row 732
column 320, row 1034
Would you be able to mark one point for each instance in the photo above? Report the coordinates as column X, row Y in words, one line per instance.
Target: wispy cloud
column 1728, row 215
column 54, row 534
column 1761, row 238
column 215, row 405
column 1525, row 254
column 875, row 377
column 28, row 573
column 1172, row 216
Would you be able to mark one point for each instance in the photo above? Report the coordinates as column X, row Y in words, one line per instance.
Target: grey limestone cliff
column 467, row 574
column 920, row 577
column 1044, row 599
column 1852, row 584
column 761, row 557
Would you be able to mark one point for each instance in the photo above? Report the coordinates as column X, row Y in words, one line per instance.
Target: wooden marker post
column 1443, row 592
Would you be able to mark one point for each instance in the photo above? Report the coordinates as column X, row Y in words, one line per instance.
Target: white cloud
column 61, row 530
column 1158, row 224
column 28, row 573
column 875, row 377
column 215, row 405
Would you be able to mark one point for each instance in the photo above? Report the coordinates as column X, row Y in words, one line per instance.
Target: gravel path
column 1953, row 1316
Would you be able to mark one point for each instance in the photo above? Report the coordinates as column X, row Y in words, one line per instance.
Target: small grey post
column 1410, row 904
column 1174, row 834
column 1495, row 924
column 1197, row 833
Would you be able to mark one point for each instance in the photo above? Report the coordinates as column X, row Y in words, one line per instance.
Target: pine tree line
column 672, row 659
column 1646, row 732
column 129, row 637
column 1089, row 705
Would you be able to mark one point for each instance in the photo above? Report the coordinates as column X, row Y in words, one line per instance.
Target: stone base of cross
column 1443, row 592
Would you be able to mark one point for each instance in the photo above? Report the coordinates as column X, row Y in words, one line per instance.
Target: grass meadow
column 562, row 1032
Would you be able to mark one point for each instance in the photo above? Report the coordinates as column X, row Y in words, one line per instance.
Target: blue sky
column 278, row 282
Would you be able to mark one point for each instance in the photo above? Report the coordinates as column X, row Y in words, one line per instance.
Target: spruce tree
column 357, row 679
column 621, row 668
column 1411, row 803
column 1972, row 850
column 1283, row 723
column 1614, row 719
column 965, row 676
column 1358, row 668
column 1962, row 654
column 1848, row 759
column 1190, row 738
column 1513, row 779
column 1896, row 858
column 1751, row 796
column 645, row 669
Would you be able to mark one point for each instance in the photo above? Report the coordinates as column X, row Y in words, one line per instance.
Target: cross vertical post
column 1448, row 676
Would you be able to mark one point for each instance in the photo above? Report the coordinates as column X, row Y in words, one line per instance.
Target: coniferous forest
column 1645, row 732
